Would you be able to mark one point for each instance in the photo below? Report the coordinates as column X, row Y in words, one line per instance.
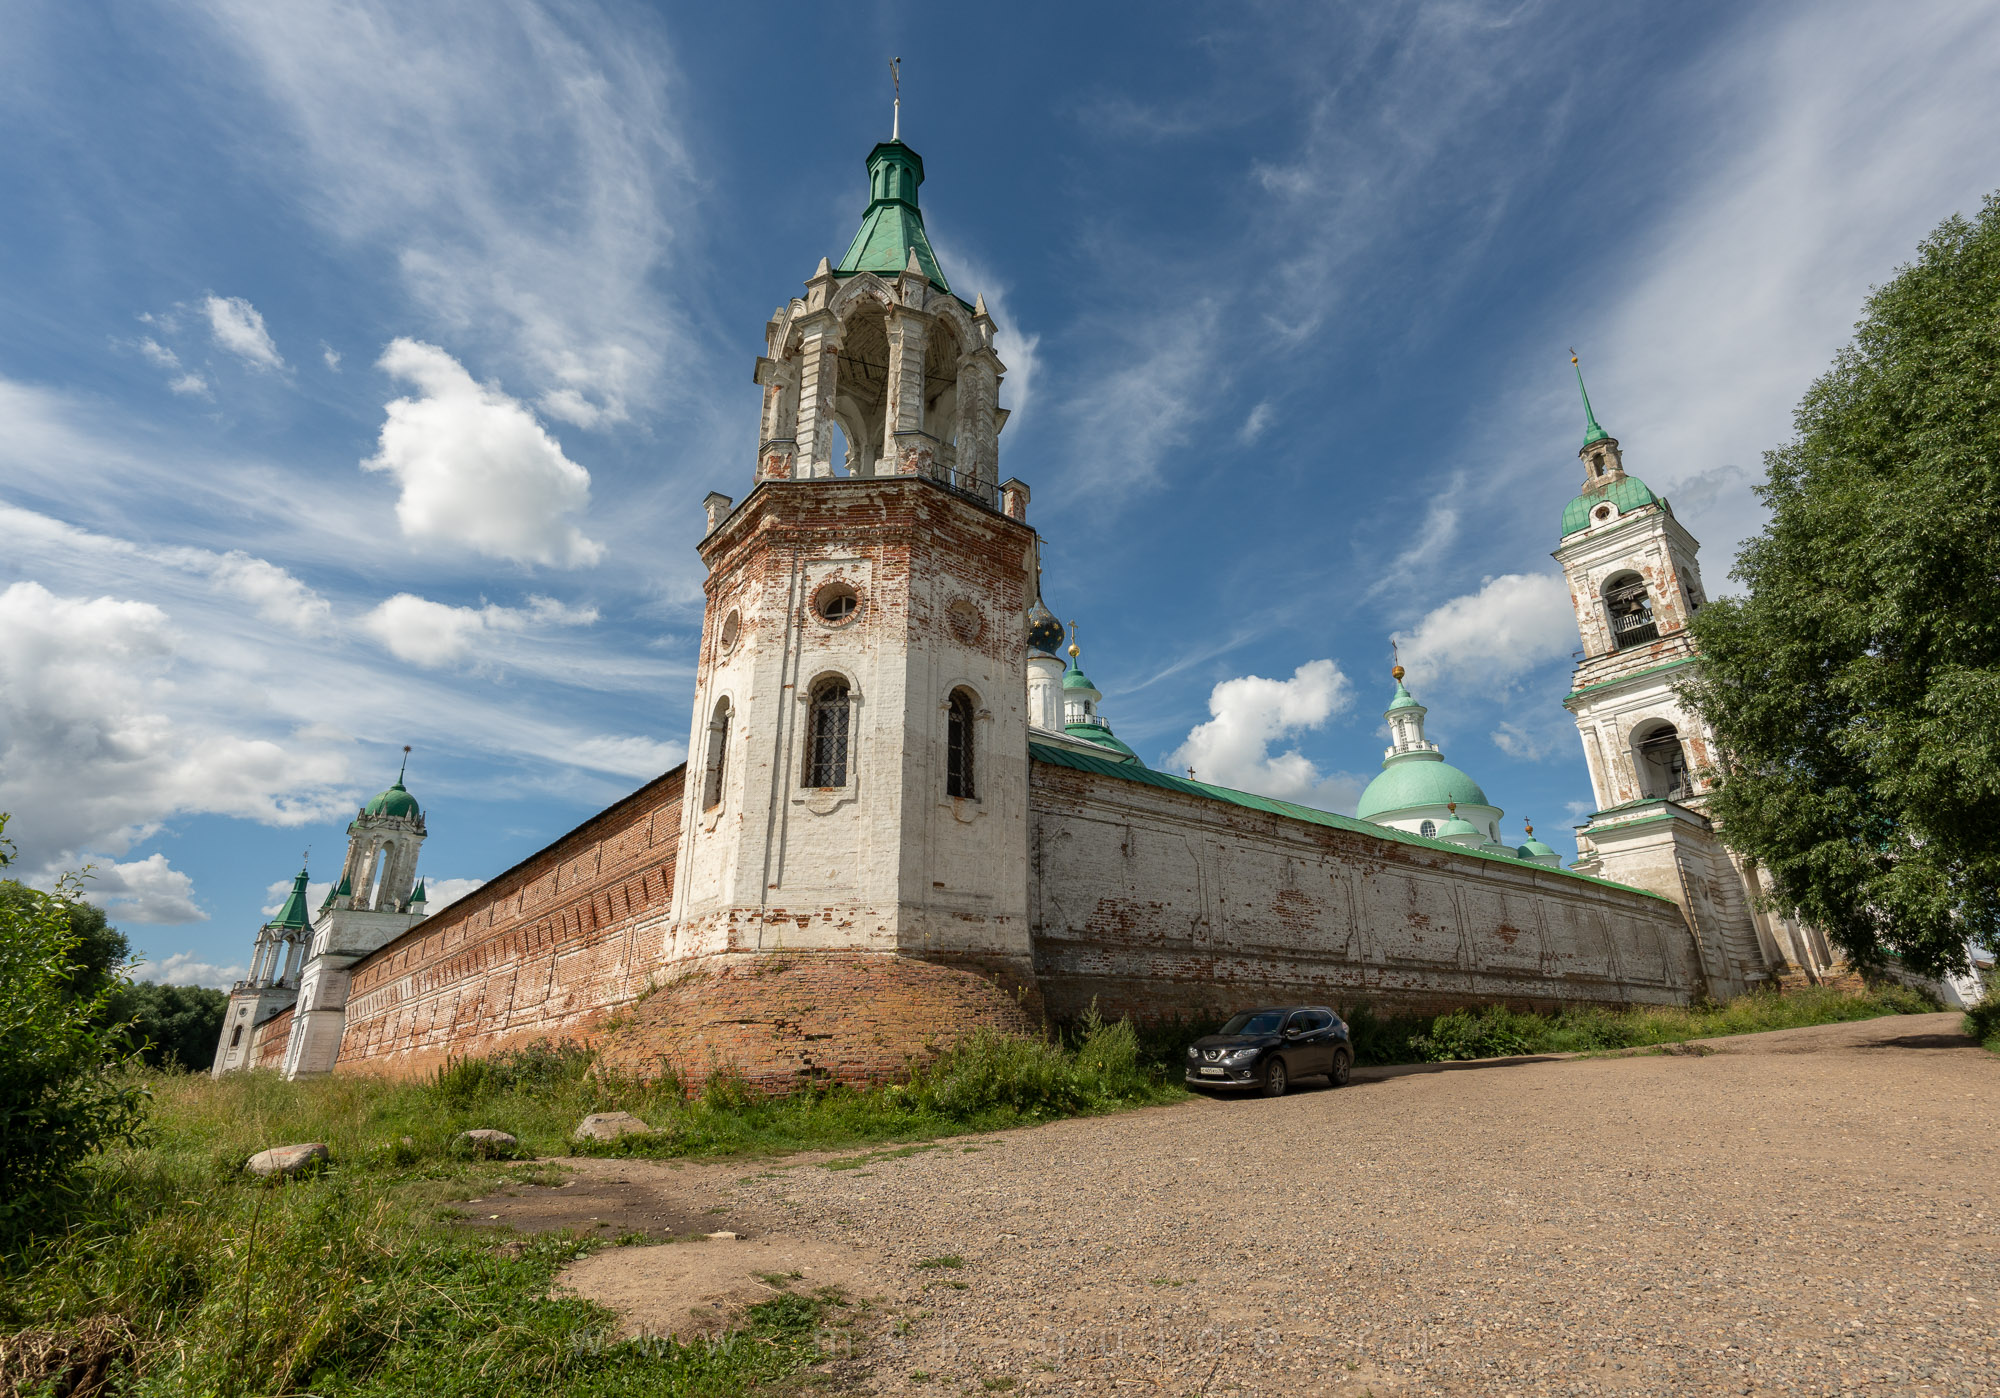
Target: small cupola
column 1603, row 465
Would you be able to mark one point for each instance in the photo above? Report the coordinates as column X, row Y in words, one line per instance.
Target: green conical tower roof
column 418, row 896
column 893, row 226
column 1591, row 431
column 293, row 914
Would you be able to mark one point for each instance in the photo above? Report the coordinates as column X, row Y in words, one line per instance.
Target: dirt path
column 1811, row 1211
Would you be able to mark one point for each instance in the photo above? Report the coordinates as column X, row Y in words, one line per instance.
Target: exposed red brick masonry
column 812, row 1016
column 544, row 950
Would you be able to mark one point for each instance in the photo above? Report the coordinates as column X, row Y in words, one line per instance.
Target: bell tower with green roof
column 376, row 899
column 860, row 725
column 1634, row 583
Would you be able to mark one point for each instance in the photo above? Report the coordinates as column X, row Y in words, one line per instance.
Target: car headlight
column 1241, row 1056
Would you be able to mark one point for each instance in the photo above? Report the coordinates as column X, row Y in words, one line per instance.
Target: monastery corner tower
column 1634, row 584
column 857, row 776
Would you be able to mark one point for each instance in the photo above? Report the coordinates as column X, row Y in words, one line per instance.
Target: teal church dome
column 1628, row 494
column 393, row 802
column 1408, row 784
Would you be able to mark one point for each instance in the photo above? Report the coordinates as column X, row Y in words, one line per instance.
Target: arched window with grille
column 716, row 757
column 826, row 733
column 958, row 765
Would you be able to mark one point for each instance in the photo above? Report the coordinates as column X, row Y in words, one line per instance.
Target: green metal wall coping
column 1626, row 679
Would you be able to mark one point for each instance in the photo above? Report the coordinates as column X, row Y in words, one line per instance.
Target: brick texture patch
column 543, row 951
column 802, row 1017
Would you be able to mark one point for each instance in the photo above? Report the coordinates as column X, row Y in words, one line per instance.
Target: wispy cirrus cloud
column 523, row 167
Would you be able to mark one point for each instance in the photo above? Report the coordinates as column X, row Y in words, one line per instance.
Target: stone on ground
column 286, row 1160
column 609, row 1126
column 485, row 1141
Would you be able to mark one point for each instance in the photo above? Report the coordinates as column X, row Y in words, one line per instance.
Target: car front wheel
column 1274, row 1078
column 1343, row 1067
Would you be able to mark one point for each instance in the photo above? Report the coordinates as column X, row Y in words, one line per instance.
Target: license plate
column 1211, row 1072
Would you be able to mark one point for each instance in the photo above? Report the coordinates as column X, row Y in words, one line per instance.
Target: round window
column 1602, row 513
column 966, row 622
column 732, row 627
column 836, row 603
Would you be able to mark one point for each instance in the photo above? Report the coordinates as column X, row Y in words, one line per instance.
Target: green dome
column 1100, row 735
column 1457, row 825
column 393, row 802
column 1534, row 849
column 1412, row 783
column 1403, row 698
column 1628, row 495
column 1073, row 678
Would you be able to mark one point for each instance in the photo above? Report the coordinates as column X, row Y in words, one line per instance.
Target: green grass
column 1982, row 1021
column 184, row 1275
column 1497, row 1031
column 347, row 1284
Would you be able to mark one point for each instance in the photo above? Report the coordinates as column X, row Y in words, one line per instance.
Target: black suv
column 1265, row 1049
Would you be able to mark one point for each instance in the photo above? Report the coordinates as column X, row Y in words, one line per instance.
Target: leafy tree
column 1855, row 688
column 171, row 1025
column 101, row 949
column 61, row 1097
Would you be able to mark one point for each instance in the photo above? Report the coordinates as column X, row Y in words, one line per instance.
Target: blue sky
column 363, row 367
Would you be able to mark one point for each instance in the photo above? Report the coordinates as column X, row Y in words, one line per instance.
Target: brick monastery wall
column 798, row 1017
column 267, row 1049
column 544, row 950
column 1159, row 902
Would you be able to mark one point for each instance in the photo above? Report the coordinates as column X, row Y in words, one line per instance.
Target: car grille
column 1213, row 1055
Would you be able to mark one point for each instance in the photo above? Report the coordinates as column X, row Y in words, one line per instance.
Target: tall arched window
column 1630, row 611
column 958, row 746
column 716, row 756
column 1663, row 764
column 379, row 874
column 826, row 734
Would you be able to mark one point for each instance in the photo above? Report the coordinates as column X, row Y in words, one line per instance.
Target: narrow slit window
column 826, row 734
column 958, row 746
column 717, row 757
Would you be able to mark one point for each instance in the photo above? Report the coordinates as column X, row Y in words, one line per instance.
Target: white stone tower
column 1634, row 584
column 377, row 899
column 273, row 982
column 857, row 776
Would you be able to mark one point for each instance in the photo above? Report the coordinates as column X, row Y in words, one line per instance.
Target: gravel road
column 1812, row 1211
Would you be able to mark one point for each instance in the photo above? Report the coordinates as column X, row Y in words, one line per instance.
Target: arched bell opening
column 1661, row 763
column 941, row 356
column 860, row 402
column 1629, row 610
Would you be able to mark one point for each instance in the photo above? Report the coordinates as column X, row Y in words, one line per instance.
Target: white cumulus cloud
column 1514, row 623
column 238, row 327
column 145, row 890
column 182, row 969
column 430, row 633
column 444, row 892
column 94, row 756
column 1250, row 714
column 476, row 468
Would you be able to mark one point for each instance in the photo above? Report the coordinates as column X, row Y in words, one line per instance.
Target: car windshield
column 1255, row 1022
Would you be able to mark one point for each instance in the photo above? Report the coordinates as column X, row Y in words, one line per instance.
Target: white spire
column 896, row 77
